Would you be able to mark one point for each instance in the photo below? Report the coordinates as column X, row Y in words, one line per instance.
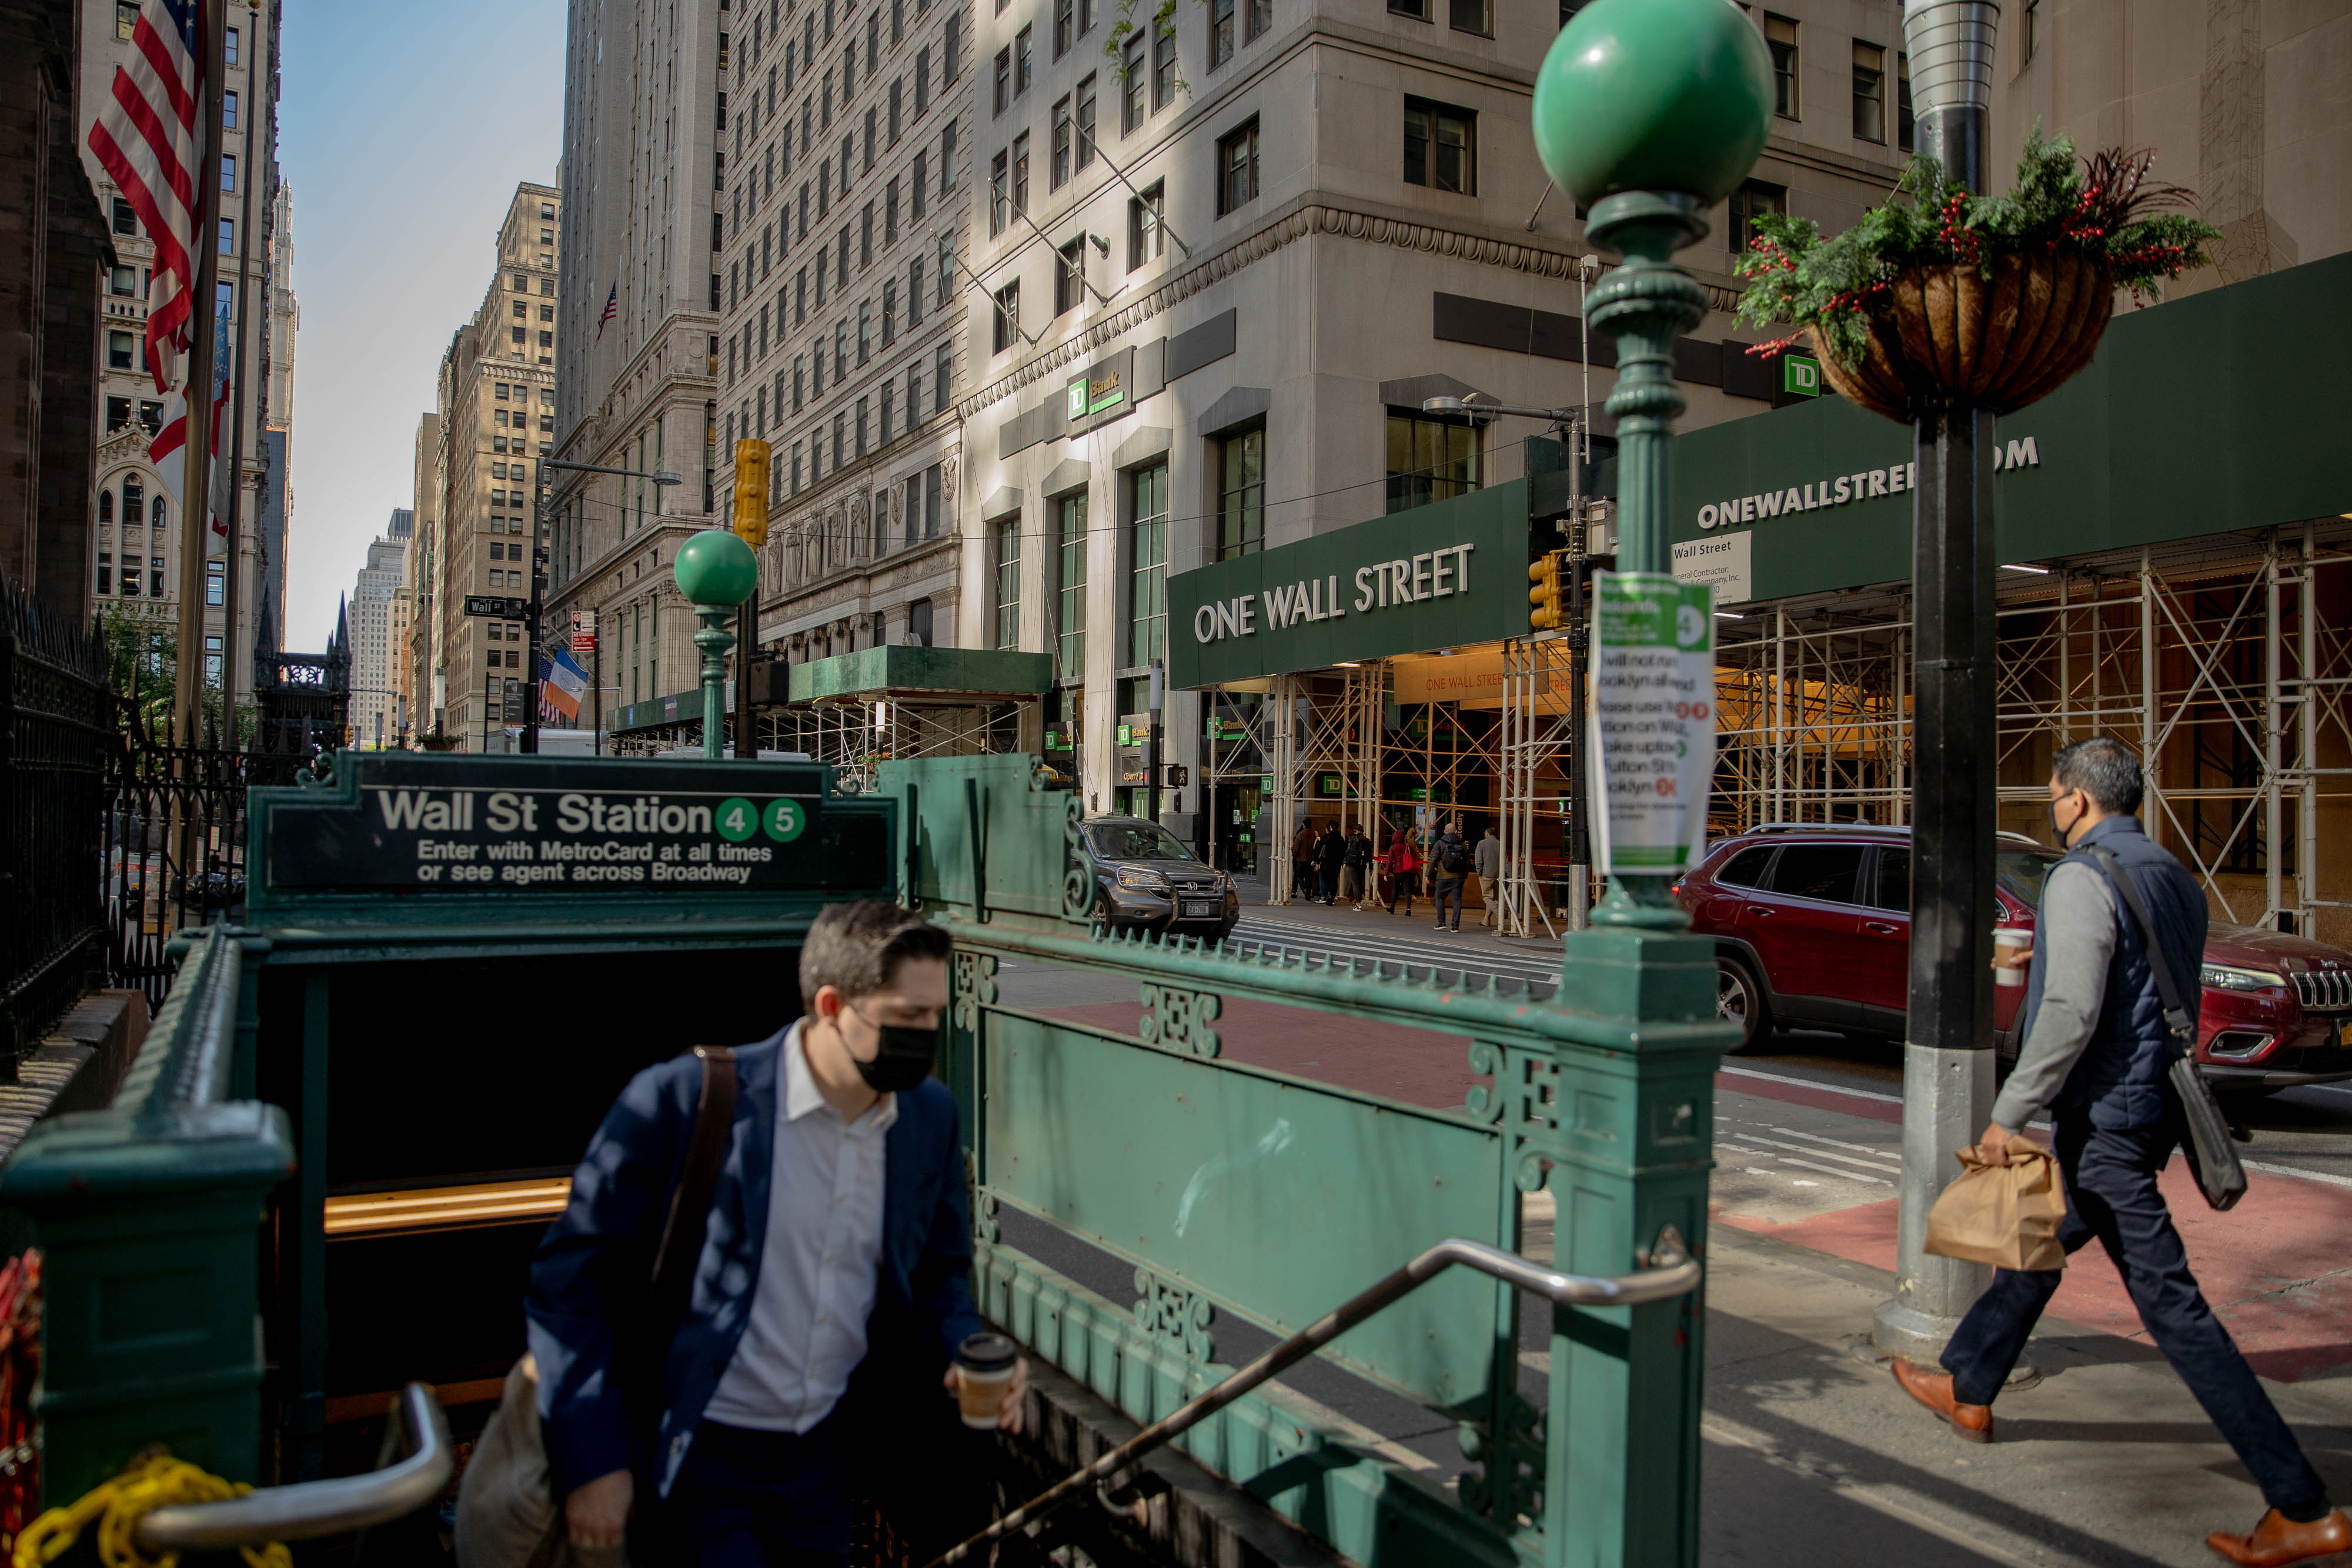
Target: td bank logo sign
column 1843, row 489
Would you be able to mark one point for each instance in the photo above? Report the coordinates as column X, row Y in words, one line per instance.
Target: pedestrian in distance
column 1356, row 871
column 2096, row 1054
column 1490, row 877
column 1449, row 861
column 1330, row 856
column 1403, row 865
column 813, row 1357
column 1302, row 862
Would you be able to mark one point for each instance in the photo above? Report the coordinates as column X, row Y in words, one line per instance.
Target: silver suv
column 1147, row 879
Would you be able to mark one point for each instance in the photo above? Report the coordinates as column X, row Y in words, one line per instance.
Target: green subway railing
column 1238, row 1190
column 148, row 1214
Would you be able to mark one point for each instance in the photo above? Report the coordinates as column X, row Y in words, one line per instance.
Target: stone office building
column 1229, row 261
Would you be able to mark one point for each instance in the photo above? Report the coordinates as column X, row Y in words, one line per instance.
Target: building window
column 1005, row 548
column 952, row 51
column 864, row 330
column 1057, row 174
column 1147, row 555
column 2032, row 36
column 1131, row 76
column 1006, row 318
column 120, row 351
column 943, row 364
column 1780, row 37
column 1430, row 458
column 229, row 47
column 214, row 583
column 1441, row 146
column 229, row 172
column 1869, row 92
column 1221, row 32
column 1024, row 61
column 228, row 111
column 126, row 18
column 947, row 158
column 1261, row 18
column 1147, row 233
column 212, row 644
column 1241, row 494
column 1086, row 137
column 1004, row 78
column 126, row 222
column 1471, row 16
column 1069, row 275
column 106, row 572
column 1416, row 9
column 889, row 312
column 1000, row 183
column 1237, row 169
column 1070, row 576
column 1065, row 21
column 1904, row 119
column 1164, row 68
column 1021, row 172
column 1748, row 203
column 118, row 417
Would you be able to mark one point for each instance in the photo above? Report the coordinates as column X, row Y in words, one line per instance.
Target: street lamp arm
column 1463, row 405
column 659, row 476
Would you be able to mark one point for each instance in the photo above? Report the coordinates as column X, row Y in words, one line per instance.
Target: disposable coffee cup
column 987, row 1359
column 2009, row 945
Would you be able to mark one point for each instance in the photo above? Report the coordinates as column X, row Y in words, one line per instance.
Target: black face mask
column 2054, row 828
column 904, row 1059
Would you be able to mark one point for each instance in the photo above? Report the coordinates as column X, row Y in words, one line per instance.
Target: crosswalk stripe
column 1369, row 943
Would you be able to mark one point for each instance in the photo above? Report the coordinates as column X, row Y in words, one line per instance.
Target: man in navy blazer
column 834, row 1283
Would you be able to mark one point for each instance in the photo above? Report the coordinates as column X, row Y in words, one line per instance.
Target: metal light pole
column 1647, row 112
column 717, row 572
column 1948, row 1046
column 545, row 497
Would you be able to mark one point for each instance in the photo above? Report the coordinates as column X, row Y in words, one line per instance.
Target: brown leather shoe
column 1973, row 1423
column 2278, row 1540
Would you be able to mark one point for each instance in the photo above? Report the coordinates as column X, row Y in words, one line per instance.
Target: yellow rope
column 154, row 1480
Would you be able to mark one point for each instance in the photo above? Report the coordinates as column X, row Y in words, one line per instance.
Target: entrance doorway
column 1236, row 831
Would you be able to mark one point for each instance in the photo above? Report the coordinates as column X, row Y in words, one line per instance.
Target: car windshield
column 1136, row 841
column 2021, row 872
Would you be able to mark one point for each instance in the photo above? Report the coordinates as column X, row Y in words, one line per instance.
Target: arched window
column 105, row 505
column 155, row 512
column 134, row 499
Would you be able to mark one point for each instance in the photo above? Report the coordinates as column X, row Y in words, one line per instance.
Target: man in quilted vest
column 2095, row 1054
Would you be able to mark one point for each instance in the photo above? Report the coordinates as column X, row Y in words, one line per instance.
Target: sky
column 404, row 131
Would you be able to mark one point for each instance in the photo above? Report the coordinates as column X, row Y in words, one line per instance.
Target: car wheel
column 1739, row 998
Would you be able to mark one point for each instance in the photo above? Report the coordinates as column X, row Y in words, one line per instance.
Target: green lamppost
column 717, row 572
column 1648, row 112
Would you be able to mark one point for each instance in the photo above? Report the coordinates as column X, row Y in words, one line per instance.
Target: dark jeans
column 2111, row 1194
column 763, row 1499
column 1449, row 891
column 1400, row 887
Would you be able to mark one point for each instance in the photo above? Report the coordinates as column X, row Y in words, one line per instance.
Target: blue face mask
column 904, row 1059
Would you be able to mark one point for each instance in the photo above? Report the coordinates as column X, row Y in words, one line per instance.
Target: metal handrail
column 1672, row 1272
column 309, row 1510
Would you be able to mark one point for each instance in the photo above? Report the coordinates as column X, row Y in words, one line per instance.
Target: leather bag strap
column 689, row 1206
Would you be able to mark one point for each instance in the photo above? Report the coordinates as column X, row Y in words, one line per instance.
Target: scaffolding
column 1538, row 746
column 2223, row 660
column 854, row 735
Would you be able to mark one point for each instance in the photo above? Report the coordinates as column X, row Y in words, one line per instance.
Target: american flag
column 174, row 435
column 612, row 309
column 148, row 140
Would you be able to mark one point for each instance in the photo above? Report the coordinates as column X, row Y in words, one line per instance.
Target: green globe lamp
column 717, row 572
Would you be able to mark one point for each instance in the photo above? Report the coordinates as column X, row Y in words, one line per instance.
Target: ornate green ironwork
column 1178, row 1020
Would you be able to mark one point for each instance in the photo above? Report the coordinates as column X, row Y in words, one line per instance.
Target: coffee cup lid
column 987, row 1353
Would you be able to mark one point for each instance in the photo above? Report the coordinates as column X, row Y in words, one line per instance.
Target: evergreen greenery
column 2103, row 207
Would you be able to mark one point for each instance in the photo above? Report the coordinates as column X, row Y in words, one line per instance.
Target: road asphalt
column 1812, row 1455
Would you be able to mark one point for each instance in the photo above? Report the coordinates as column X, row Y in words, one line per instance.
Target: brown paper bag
column 2005, row 1215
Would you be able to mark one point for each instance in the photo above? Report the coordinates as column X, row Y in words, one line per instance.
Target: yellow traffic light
column 752, row 491
column 1544, row 613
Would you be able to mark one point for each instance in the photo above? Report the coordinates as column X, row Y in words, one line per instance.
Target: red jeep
column 1813, row 928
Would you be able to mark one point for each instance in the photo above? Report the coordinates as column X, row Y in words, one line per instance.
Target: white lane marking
column 1883, row 1154
column 1413, row 948
column 1356, row 1432
column 1877, row 1165
column 1833, row 1170
column 1808, row 1083
column 2268, row 1169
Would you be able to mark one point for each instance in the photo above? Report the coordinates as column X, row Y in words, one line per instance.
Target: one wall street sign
column 1439, row 576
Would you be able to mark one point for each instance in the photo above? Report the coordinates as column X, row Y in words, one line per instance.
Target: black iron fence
column 56, row 718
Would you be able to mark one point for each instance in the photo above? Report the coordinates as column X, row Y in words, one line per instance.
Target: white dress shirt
column 819, row 1268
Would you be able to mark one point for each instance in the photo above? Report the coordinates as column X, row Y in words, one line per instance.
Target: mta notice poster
column 1653, row 725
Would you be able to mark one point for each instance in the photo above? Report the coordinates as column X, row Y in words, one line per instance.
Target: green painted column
column 1648, row 112
column 717, row 573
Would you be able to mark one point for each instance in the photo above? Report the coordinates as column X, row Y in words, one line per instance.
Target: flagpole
column 196, row 489
column 233, row 553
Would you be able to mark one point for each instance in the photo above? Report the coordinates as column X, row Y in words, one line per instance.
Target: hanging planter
column 1941, row 298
